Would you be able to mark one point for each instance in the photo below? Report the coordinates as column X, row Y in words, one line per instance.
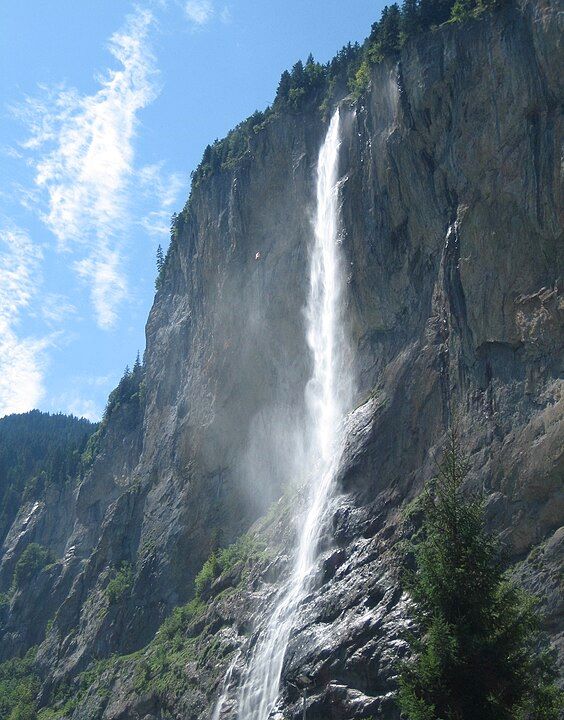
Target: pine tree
column 475, row 656
column 160, row 267
column 389, row 30
column 284, row 87
column 137, row 367
column 409, row 20
column 315, row 73
column 298, row 75
column 434, row 12
column 160, row 259
column 384, row 39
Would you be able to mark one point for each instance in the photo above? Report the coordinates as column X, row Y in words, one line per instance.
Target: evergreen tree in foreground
column 477, row 656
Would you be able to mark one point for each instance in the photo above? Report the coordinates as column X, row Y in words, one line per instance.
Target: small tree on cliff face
column 476, row 655
column 160, row 267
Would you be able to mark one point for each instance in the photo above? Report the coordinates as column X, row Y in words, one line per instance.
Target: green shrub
column 24, row 710
column 19, row 686
column 464, row 10
column 120, row 584
column 210, row 570
column 247, row 548
column 32, row 560
column 179, row 619
column 361, row 80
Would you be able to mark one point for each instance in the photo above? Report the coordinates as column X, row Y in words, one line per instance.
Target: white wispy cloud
column 21, row 359
column 164, row 190
column 73, row 403
column 199, row 12
column 81, row 147
column 225, row 15
column 76, row 401
column 96, row 380
column 56, row 308
column 108, row 284
column 82, row 407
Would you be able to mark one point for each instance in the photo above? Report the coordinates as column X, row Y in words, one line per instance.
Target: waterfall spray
column 328, row 396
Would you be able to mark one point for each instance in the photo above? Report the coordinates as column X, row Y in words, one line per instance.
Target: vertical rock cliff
column 454, row 253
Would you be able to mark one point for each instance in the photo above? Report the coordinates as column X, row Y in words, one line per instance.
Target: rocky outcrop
column 454, row 253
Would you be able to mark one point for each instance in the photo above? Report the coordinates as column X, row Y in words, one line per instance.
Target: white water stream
column 328, row 396
column 222, row 699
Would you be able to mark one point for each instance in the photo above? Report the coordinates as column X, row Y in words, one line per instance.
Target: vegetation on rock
column 33, row 559
column 120, row 584
column 19, row 685
column 160, row 267
column 159, row 668
column 182, row 637
column 246, row 549
column 476, row 652
column 126, row 399
column 37, row 451
column 317, row 85
column 190, row 649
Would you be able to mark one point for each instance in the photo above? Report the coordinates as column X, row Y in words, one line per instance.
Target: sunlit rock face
column 453, row 257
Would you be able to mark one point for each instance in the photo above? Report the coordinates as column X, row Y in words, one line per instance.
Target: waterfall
column 328, row 396
column 222, row 699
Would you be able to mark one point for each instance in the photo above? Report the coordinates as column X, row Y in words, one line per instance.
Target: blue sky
column 106, row 108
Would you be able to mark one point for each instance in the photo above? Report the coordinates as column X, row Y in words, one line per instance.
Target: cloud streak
column 21, row 359
column 83, row 155
column 202, row 12
column 56, row 308
column 164, row 188
column 199, row 12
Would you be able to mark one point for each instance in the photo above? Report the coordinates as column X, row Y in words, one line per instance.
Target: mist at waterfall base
column 314, row 449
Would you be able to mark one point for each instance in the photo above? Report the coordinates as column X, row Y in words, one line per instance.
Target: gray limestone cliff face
column 454, row 256
column 222, row 405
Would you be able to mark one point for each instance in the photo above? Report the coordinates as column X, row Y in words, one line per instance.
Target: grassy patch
column 246, row 550
column 19, row 685
column 120, row 585
column 32, row 560
column 159, row 668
